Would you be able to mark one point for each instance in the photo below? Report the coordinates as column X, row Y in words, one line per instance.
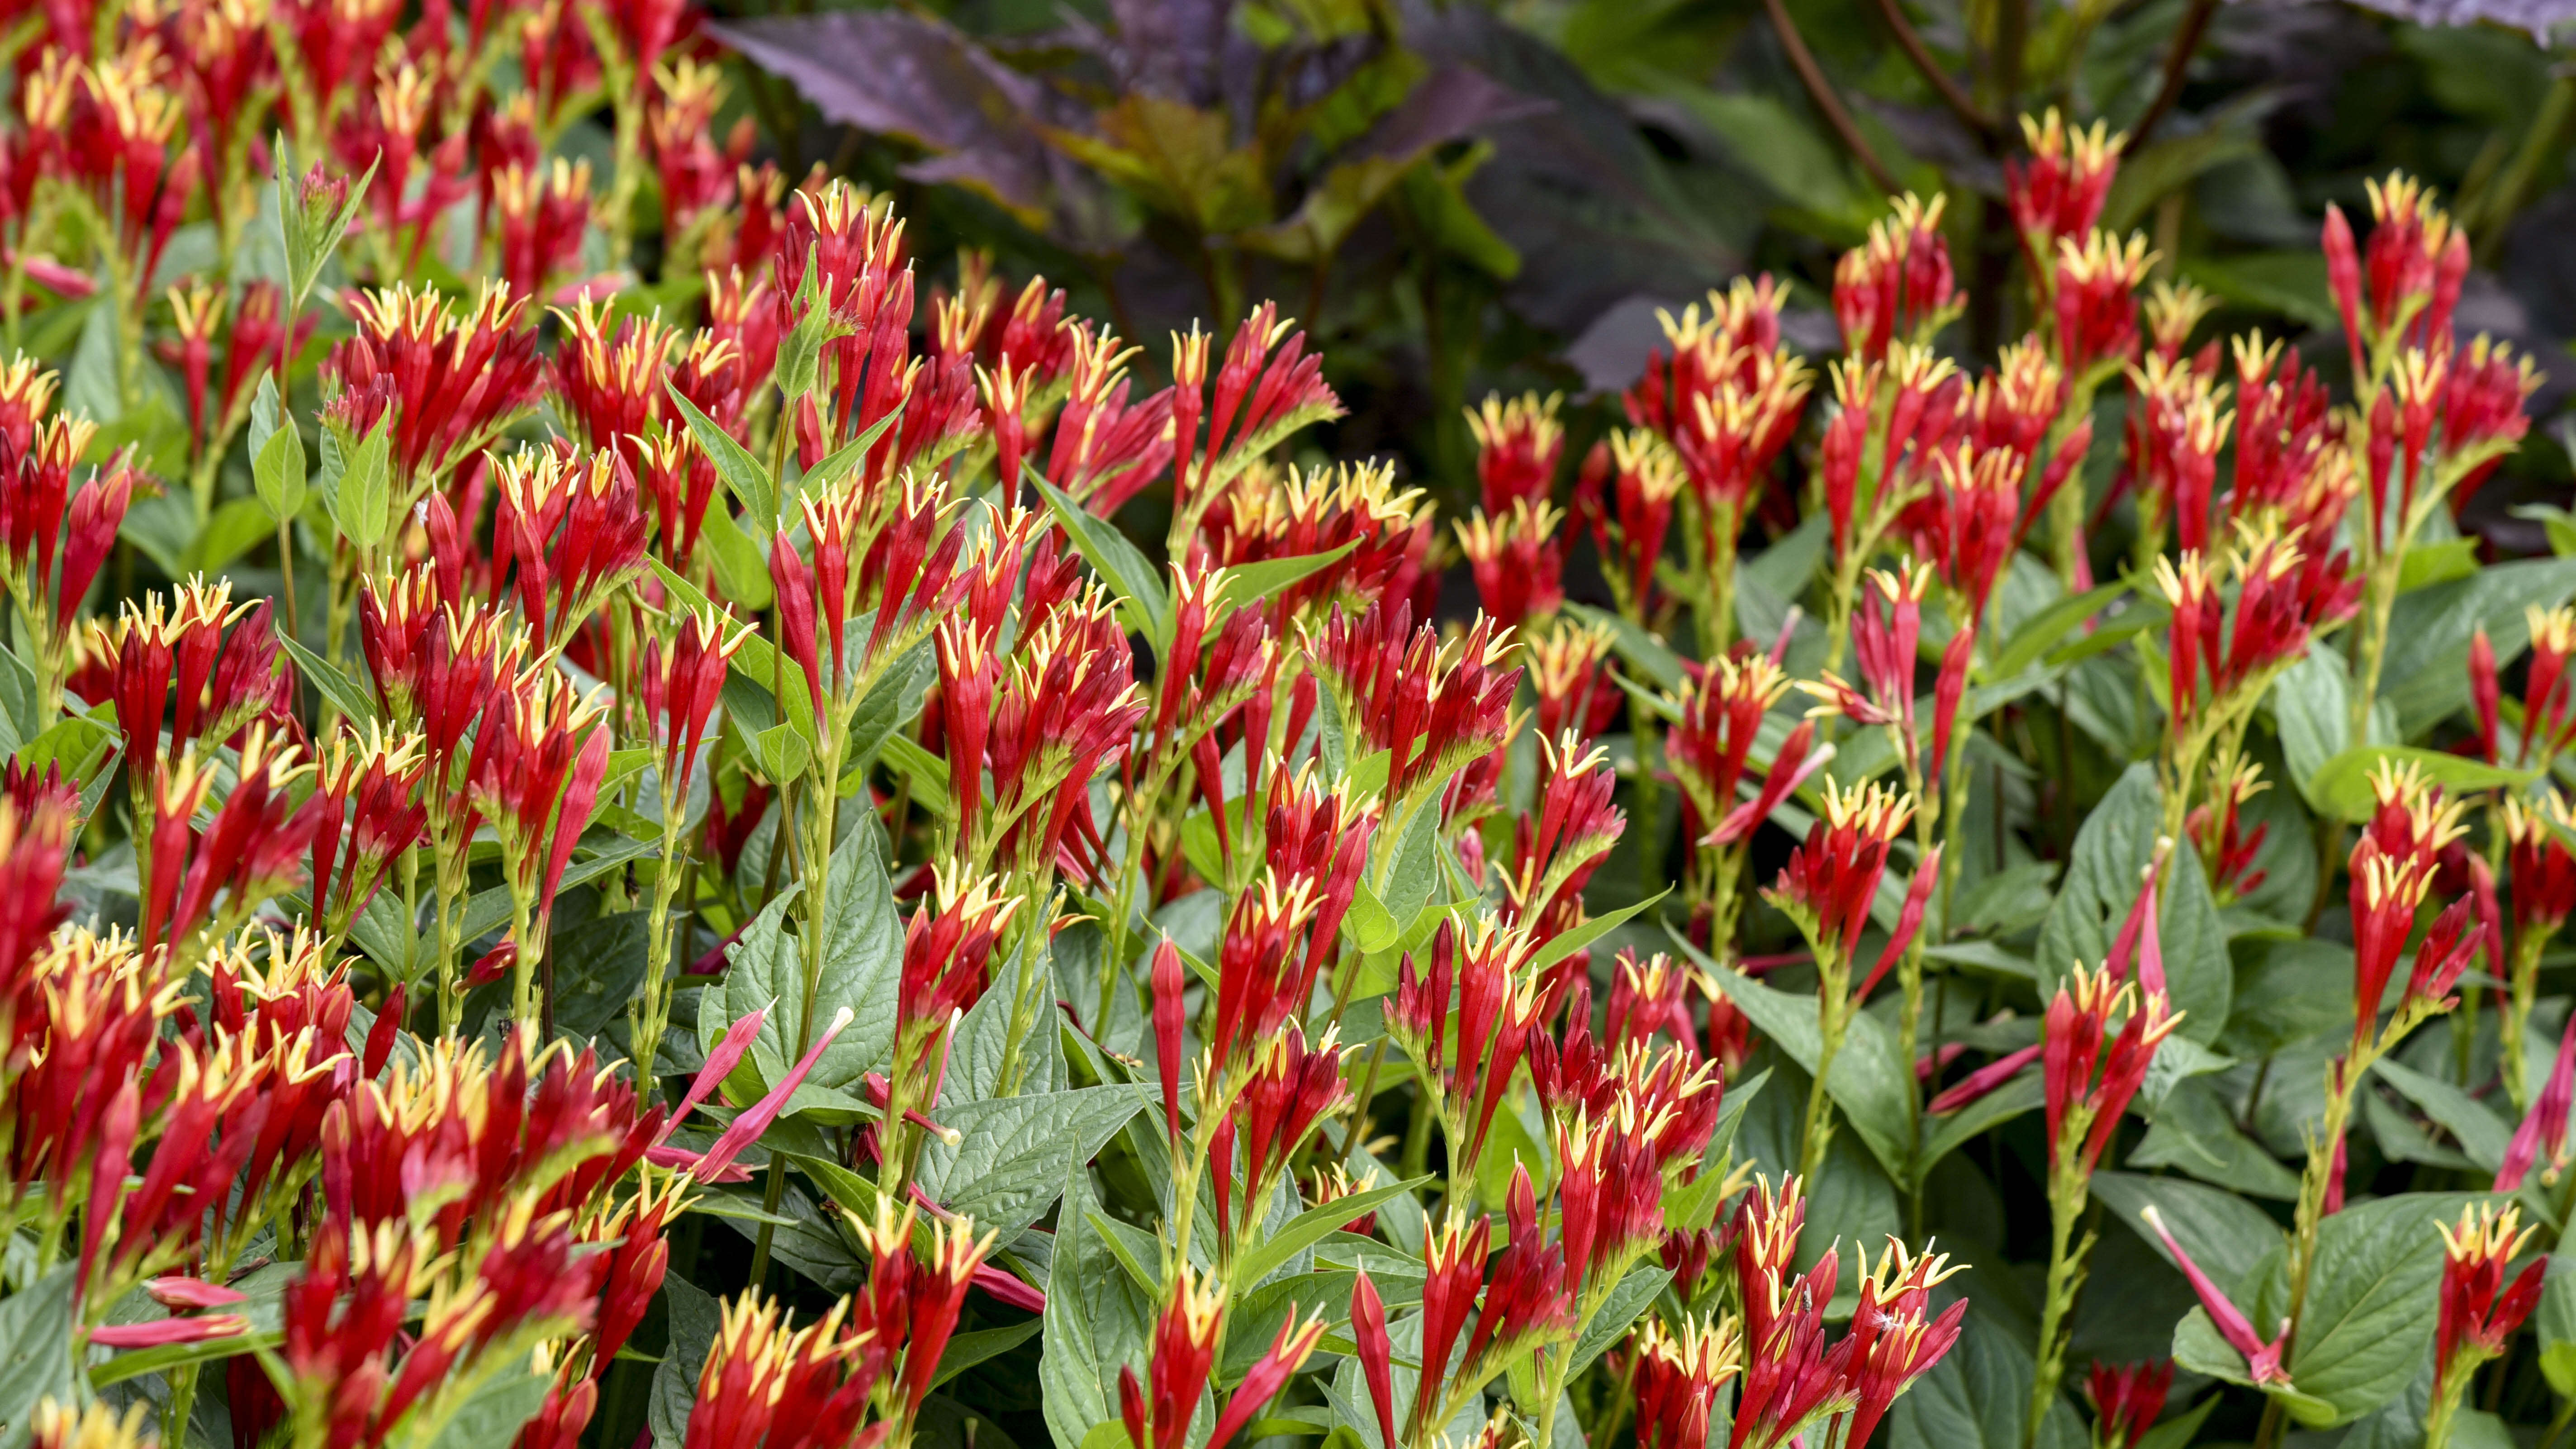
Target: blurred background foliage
column 1501, row 194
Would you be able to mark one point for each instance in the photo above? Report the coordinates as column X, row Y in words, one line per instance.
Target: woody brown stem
column 1821, row 91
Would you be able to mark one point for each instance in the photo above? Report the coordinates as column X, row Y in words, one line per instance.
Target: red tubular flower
column 1624, row 497
column 1376, row 1354
column 2544, row 1128
column 1678, row 1379
column 680, row 697
column 1496, row 1013
column 1183, row 1356
column 1105, row 449
column 1258, row 966
column 1268, row 387
column 1518, row 447
column 1433, row 707
column 1898, row 282
column 1887, row 626
column 1718, row 719
column 2549, row 688
column 912, row 1300
column 2262, row 1360
column 1973, row 520
column 542, row 212
column 452, row 383
column 1831, row 880
column 1555, row 853
column 573, row 533
column 1984, row 1080
column 1569, row 672
column 1518, row 561
column 252, row 848
column 538, row 764
column 2059, row 190
column 1169, row 982
column 812, row 1383
column 2480, row 1312
column 2096, row 297
column 2405, row 283
column 1300, row 512
column 55, row 540
column 2385, row 893
column 1610, row 1194
column 1646, row 997
column 947, row 965
column 1894, row 1338
column 2289, row 458
column 2084, row 1109
column 1319, row 839
column 2127, row 1398
column 371, row 810
column 2175, row 444
column 2218, row 830
column 2484, row 397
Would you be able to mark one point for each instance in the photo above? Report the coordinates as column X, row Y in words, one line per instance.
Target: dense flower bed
column 657, row 867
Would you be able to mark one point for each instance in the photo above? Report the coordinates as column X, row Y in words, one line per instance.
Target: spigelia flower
column 252, row 848
column 542, row 212
column 2480, row 1311
column 1832, row 878
column 450, row 382
column 1905, row 408
column 1647, row 996
column 539, row 760
column 1732, row 341
column 2173, row 311
column 573, row 534
column 1568, row 671
column 2176, row 443
column 1730, row 409
column 55, row 539
column 2218, row 830
column 1718, row 721
column 2288, row 459
column 2538, row 864
column 88, row 1010
column 1974, row 518
column 1259, row 963
column 2058, row 191
column 2262, row 1359
column 2548, row 724
column 1298, row 512
column 1555, row 853
column 913, row 1298
column 947, row 967
column 1887, row 628
column 2405, row 286
column 1333, row 1183
column 1434, row 707
column 2092, row 1068
column 679, row 130
column 371, row 813
column 608, row 383
column 93, row 1426
column 2127, row 1398
column 1065, row 708
column 2541, row 1139
column 1610, row 1195
column 679, row 696
column 2097, row 299
column 2410, row 820
column 206, row 666
column 142, row 1218
column 2385, row 894
column 765, row 1382
column 1291, row 1089
column 1895, row 1338
column 2283, row 597
column 1525, row 1303
column 1518, row 561
column 1316, row 838
column 894, row 549
column 1519, row 444
column 2485, row 397
column 1678, row 1378
column 1624, row 497
column 1183, row 1362
column 1898, row 284
column 1268, row 387
column 1498, row 1008
column 1105, row 449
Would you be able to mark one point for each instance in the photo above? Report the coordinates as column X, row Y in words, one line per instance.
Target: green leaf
column 234, row 529
column 1313, row 1226
column 756, row 662
column 1977, row 1397
column 861, row 957
column 361, row 507
column 277, row 464
column 599, row 967
column 2041, row 633
column 496, row 1410
column 1948, row 1134
column 1567, row 943
column 324, row 676
column 1618, row 1311
column 2430, row 563
column 1253, row 583
column 2372, row 1300
column 2480, row 1133
column 969, row 1349
column 2227, row 1236
column 35, row 1353
column 2341, row 788
column 1866, row 1081
column 695, row 1318
column 2553, row 1323
column 1143, row 605
column 746, row 476
column 1649, row 654
column 1016, row 1151
column 2102, row 880
column 2425, row 676
column 2193, row 1131
column 1097, row 1322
